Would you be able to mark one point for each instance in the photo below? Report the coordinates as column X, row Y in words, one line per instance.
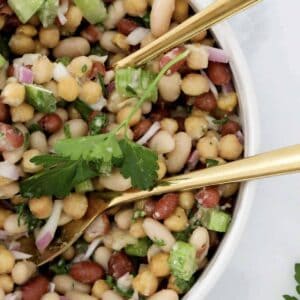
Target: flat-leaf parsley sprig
column 297, row 278
column 79, row 159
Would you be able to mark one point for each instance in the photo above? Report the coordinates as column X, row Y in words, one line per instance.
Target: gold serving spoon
column 201, row 21
column 282, row 161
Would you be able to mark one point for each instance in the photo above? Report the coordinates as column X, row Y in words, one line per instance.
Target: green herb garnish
column 97, row 123
column 221, row 121
column 297, row 278
column 65, row 60
column 211, row 162
column 60, row 268
column 137, row 214
column 67, row 131
column 84, row 68
column 104, row 89
column 113, row 285
column 159, row 243
column 34, row 127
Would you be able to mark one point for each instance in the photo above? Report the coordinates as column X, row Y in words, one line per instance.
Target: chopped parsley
column 297, row 278
column 211, row 162
column 61, row 267
column 113, row 285
column 34, row 127
column 84, row 68
column 65, row 60
column 221, row 121
column 137, row 214
column 159, row 243
column 67, row 131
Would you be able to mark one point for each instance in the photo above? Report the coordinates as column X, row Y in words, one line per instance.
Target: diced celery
column 2, row 61
column 93, row 10
column 25, row 9
column 140, row 248
column 41, row 99
column 182, row 260
column 48, row 12
column 131, row 82
column 84, row 187
column 215, row 220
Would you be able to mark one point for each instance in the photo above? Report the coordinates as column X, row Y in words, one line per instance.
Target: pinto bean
column 119, row 264
column 141, row 128
column 10, row 138
column 149, row 207
column 230, row 127
column 126, row 26
column 35, row 288
column 208, row 197
column 4, row 112
column 170, row 56
column 165, row 206
column 51, row 123
column 86, row 272
column 219, row 73
column 206, row 102
column 200, row 240
column 72, row 47
column 91, row 33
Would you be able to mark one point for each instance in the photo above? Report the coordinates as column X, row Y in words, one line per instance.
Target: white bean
column 102, row 256
column 115, row 182
column 178, row 157
column 198, row 57
column 123, row 218
column 65, row 283
column 160, row 17
column 14, row 156
column 116, row 12
column 158, row 232
column 2, row 294
column 72, row 47
column 164, row 295
column 111, row 295
column 73, row 295
column 13, row 225
column 22, row 271
column 162, row 142
column 63, row 114
column 38, row 141
column 200, row 239
column 106, row 42
column 170, row 87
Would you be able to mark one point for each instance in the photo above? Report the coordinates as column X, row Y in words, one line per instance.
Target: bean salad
column 73, row 128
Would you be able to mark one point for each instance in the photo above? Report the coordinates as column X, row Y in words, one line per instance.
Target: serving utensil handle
column 277, row 162
column 203, row 20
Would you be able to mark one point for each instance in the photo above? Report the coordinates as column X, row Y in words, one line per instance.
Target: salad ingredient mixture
column 72, row 129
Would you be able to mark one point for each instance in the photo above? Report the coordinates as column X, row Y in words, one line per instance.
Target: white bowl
column 249, row 118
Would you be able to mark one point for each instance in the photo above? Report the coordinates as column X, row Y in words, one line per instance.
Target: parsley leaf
column 70, row 173
column 287, row 297
column 221, row 121
column 60, row 268
column 137, row 214
column 112, row 284
column 140, row 164
column 211, row 162
column 159, row 243
column 297, row 278
column 67, row 131
column 183, row 285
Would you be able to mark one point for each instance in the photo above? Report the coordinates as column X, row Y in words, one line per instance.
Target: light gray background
column 262, row 265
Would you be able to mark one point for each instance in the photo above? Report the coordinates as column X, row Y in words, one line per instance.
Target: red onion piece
column 149, row 133
column 10, row 171
column 137, row 35
column 20, row 255
column 14, row 245
column 228, row 88
column 14, row 296
column 25, row 75
column 46, row 234
column 217, row 55
column 89, row 252
column 62, row 10
column 240, row 137
column 192, row 161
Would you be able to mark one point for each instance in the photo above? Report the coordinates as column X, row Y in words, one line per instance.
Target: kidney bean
column 10, row 137
column 10, row 72
column 51, row 123
column 35, row 288
column 149, row 207
column 171, row 55
column 87, row 272
column 92, row 33
column 219, row 73
column 208, row 197
column 119, row 264
column 180, row 121
column 141, row 128
column 97, row 68
column 11, row 23
column 206, row 102
column 126, row 26
column 4, row 112
column 230, row 127
column 165, row 206
column 5, row 10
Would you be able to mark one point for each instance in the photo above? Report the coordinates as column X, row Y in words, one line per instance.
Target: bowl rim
column 249, row 118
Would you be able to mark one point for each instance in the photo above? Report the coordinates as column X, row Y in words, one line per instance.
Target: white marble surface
column 262, row 265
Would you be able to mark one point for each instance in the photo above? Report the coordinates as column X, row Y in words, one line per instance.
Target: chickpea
column 149, row 38
column 162, row 169
column 195, row 127
column 2, row 294
column 90, row 92
column 228, row 102
column 27, row 29
column 207, row 147
column 229, row 189
column 13, row 94
column 186, row 200
column 27, row 165
column 99, row 287
column 137, row 230
column 75, row 205
column 73, row 113
column 194, row 84
column 22, row 113
column 124, row 113
column 159, row 265
column 68, row 89
column 4, row 214
column 51, row 296
column 198, row 57
column 6, row 283
column 181, row 12
column 74, row 18
column 80, row 66
column 114, row 101
column 111, row 295
column 23, row 271
column 40, row 49
column 162, row 142
column 136, row 8
column 172, row 284
column 63, row 114
column 13, row 226
column 169, row 125
column 41, row 207
column 7, row 261
column 120, row 40
column 38, row 141
column 178, row 221
column 145, row 283
column 170, row 87
column 106, row 41
column 49, row 37
column 21, row 44
column 69, row 253
column 230, row 148
column 199, row 37
column 65, row 283
column 123, row 218
column 102, row 256
column 42, row 70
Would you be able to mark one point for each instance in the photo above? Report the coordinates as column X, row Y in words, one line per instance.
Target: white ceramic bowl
column 248, row 115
